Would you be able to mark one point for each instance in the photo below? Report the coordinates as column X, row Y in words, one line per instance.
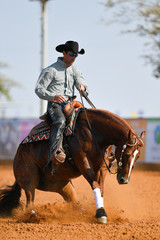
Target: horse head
column 127, row 156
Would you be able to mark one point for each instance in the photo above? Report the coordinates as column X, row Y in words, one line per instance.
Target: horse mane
column 114, row 117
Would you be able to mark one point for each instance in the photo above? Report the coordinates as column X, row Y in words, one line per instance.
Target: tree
column 6, row 83
column 144, row 19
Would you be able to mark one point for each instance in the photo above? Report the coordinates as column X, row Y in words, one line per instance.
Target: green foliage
column 144, row 19
column 6, row 83
column 3, row 90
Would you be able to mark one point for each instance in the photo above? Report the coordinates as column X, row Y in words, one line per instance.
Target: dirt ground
column 133, row 211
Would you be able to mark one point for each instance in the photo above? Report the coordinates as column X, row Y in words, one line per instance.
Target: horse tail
column 9, row 198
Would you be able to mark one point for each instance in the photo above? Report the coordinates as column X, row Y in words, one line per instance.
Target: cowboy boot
column 58, row 156
column 56, row 153
column 59, row 153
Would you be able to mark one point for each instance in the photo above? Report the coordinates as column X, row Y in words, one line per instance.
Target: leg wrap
column 98, row 198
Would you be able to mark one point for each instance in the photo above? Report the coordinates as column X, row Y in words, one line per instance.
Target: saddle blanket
column 45, row 134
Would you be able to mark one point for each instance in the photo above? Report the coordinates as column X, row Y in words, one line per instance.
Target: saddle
column 68, row 109
column 42, row 130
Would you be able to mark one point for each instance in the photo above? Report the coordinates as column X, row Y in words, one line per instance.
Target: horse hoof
column 33, row 213
column 101, row 215
column 102, row 219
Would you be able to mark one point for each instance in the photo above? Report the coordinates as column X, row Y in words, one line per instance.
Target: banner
column 9, row 138
column 153, row 141
column 25, row 127
column 12, row 132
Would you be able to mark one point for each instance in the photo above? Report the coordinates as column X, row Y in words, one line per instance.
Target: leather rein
column 90, row 128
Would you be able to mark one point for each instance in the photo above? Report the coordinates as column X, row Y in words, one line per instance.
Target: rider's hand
column 81, row 88
column 59, row 98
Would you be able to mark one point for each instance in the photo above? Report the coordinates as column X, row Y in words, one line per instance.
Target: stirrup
column 59, row 155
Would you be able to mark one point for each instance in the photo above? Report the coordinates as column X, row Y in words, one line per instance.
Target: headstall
column 123, row 148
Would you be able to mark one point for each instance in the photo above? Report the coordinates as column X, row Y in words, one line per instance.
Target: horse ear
column 142, row 135
column 109, row 149
column 141, row 143
column 131, row 136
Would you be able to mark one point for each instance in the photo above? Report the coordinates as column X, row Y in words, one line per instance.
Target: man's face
column 69, row 57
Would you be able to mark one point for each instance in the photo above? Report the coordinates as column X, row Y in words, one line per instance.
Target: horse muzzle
column 121, row 179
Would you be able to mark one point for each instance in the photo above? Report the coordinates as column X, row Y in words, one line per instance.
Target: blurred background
column 121, row 64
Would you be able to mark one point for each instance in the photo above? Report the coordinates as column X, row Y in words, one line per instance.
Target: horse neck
column 111, row 127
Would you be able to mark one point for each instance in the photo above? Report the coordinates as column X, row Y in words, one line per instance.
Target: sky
column 117, row 77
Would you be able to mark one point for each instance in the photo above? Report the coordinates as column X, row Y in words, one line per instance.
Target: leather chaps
column 57, row 127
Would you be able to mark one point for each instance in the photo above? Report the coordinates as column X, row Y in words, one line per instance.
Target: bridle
column 102, row 155
column 122, row 152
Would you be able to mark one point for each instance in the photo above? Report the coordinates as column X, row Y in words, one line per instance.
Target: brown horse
column 87, row 147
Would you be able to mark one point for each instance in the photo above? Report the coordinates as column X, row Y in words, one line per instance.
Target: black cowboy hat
column 70, row 46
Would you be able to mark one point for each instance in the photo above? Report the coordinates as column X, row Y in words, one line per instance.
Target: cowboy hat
column 70, row 46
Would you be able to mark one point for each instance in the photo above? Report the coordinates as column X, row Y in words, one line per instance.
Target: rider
column 56, row 85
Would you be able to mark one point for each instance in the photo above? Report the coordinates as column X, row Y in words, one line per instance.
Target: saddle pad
column 37, row 137
column 69, row 129
column 44, row 135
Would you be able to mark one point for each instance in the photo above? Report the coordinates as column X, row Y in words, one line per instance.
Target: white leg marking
column 132, row 162
column 98, row 198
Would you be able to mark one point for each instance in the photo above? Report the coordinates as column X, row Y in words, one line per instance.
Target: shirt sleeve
column 79, row 79
column 42, row 84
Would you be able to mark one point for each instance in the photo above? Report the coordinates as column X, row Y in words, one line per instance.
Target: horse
column 95, row 131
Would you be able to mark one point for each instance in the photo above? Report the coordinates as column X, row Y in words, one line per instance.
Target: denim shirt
column 57, row 79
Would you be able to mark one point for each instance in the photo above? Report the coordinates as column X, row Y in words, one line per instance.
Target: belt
column 70, row 99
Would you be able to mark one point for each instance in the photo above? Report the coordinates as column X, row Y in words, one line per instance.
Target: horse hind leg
column 27, row 174
column 30, row 194
column 29, row 187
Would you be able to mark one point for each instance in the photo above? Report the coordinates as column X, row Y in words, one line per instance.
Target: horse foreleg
column 67, row 191
column 101, row 177
column 99, row 195
column 88, row 172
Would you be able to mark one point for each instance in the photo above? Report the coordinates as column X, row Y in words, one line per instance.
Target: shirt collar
column 60, row 61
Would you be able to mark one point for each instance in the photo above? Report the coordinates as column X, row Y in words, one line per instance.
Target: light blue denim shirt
column 57, row 79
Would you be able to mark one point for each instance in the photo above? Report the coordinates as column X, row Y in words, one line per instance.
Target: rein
column 102, row 155
column 90, row 128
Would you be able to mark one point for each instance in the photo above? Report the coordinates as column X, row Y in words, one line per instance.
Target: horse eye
column 127, row 154
column 138, row 156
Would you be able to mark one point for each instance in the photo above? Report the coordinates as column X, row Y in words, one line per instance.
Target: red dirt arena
column 133, row 211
